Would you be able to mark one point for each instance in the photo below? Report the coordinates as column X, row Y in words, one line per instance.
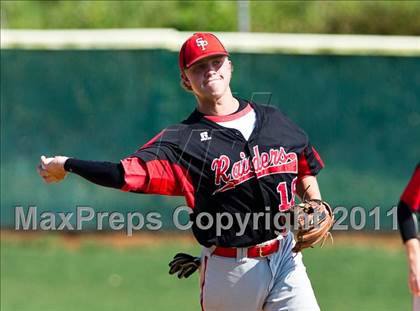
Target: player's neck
column 225, row 105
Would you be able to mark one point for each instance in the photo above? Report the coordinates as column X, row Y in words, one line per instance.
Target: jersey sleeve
column 309, row 162
column 408, row 205
column 407, row 222
column 156, row 168
column 411, row 194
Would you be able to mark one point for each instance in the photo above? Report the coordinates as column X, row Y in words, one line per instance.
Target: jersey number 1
column 285, row 204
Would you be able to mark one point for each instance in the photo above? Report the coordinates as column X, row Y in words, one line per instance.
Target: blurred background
column 346, row 72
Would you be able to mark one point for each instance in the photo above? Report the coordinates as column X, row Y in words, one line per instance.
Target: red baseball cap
column 199, row 46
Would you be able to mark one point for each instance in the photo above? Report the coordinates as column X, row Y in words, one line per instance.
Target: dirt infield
column 391, row 241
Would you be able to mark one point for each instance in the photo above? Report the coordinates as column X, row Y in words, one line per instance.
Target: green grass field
column 45, row 275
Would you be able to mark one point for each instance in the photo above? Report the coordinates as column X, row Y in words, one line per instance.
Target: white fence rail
column 171, row 39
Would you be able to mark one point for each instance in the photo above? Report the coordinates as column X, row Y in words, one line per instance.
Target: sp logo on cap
column 201, row 43
column 199, row 46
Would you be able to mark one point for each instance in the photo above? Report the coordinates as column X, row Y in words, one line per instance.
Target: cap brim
column 205, row 56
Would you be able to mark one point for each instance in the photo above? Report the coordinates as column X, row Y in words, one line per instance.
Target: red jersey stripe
column 150, row 142
column 158, row 177
column 411, row 194
column 135, row 174
column 303, row 165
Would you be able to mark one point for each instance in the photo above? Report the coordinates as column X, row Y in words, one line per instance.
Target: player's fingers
column 47, row 179
column 414, row 284
column 416, row 287
column 44, row 173
column 50, row 179
column 45, row 161
column 415, row 291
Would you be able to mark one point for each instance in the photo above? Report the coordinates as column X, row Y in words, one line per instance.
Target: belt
column 260, row 250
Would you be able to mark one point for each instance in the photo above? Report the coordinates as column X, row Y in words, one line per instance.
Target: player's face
column 210, row 77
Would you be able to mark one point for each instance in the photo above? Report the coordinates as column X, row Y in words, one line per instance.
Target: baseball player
column 407, row 207
column 230, row 156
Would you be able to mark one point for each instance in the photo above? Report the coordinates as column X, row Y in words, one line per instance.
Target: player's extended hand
column 414, row 267
column 414, row 282
column 52, row 169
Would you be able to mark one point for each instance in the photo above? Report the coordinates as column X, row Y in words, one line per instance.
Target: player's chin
column 215, row 94
column 215, row 89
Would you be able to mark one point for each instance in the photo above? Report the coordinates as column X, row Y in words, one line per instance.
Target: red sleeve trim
column 158, row 177
column 135, row 174
column 230, row 117
column 303, row 166
column 411, row 194
column 318, row 158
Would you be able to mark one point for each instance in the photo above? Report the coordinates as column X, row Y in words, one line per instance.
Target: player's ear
column 185, row 83
column 231, row 65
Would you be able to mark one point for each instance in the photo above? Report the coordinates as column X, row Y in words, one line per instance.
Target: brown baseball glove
column 313, row 220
